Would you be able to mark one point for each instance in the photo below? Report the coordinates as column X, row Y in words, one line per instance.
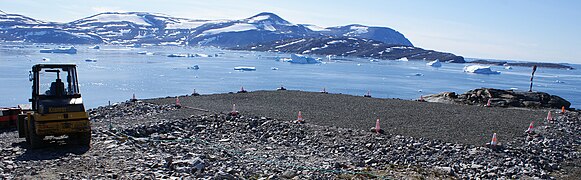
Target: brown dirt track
column 453, row 123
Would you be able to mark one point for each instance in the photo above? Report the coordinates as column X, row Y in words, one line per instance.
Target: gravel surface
column 157, row 140
column 453, row 123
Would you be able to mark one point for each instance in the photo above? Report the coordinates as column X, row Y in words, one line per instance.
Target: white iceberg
column 507, row 67
column 478, row 69
column 200, row 55
column 61, row 49
column 435, row 63
column 178, row 55
column 245, row 68
column 301, row 59
column 403, row 59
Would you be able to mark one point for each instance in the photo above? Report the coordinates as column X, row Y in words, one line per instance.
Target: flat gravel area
column 448, row 122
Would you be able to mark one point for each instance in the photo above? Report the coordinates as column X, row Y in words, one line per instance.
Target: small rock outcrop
column 501, row 98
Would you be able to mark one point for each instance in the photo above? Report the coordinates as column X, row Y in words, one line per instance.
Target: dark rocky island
column 501, row 98
column 524, row 64
column 355, row 47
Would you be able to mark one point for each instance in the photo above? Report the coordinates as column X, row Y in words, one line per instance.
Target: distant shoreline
column 521, row 64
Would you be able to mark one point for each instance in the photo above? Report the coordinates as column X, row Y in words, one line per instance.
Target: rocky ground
column 501, row 98
column 156, row 140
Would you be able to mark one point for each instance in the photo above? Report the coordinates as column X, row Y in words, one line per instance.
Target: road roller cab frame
column 57, row 107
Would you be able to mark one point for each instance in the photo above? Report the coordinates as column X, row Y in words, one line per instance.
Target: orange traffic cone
column 530, row 130
column 563, row 109
column 488, row 103
column 377, row 128
column 178, row 104
column 549, row 116
column 300, row 118
column 494, row 142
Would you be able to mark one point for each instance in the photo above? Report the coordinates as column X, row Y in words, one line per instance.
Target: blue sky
column 534, row 30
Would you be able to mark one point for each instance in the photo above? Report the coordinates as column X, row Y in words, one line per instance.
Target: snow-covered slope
column 160, row 29
column 14, row 27
column 383, row 34
column 353, row 46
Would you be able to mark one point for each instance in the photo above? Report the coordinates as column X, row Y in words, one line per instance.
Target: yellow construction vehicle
column 57, row 107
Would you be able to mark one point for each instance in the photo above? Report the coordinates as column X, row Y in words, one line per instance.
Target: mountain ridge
column 161, row 29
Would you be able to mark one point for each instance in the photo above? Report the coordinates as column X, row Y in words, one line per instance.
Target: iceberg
column 478, row 69
column 201, row 55
column 178, row 55
column 435, row 63
column 195, row 67
column 302, row 59
column 245, row 68
column 403, row 59
column 66, row 50
column 95, row 47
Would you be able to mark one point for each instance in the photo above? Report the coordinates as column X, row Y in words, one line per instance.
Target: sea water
column 118, row 72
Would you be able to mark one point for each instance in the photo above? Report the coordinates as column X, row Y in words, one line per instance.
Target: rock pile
column 501, row 98
column 138, row 144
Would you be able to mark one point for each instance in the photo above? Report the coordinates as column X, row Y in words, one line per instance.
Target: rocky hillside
column 159, row 29
column 351, row 46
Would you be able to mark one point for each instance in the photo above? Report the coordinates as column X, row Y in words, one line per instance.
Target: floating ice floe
column 302, row 59
column 142, row 52
column 90, row 60
column 66, row 50
column 560, row 82
column 45, row 59
column 195, row 67
column 200, row 55
column 95, row 47
column 507, row 67
column 403, row 59
column 177, row 55
column 435, row 63
column 274, row 68
column 478, row 69
column 245, row 68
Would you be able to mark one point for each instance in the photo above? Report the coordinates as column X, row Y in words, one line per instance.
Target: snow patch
column 291, row 43
column 107, row 18
column 315, row 27
column 336, row 42
column 238, row 27
column 187, row 24
column 258, row 18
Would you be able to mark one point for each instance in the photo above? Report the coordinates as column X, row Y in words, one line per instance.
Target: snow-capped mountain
column 352, row 46
column 160, row 29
